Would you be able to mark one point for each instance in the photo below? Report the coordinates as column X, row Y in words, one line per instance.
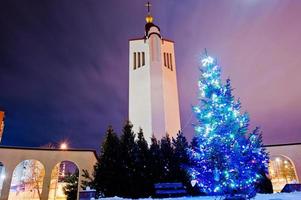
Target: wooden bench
column 169, row 190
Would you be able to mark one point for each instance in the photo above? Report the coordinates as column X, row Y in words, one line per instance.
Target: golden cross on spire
column 148, row 5
column 149, row 18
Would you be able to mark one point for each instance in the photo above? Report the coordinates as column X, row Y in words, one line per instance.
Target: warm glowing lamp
column 64, row 146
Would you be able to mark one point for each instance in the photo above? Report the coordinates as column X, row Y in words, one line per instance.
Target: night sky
column 64, row 64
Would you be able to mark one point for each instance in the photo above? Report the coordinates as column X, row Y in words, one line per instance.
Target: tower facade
column 153, row 91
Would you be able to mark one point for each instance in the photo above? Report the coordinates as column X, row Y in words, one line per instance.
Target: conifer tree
column 155, row 161
column 128, row 149
column 71, row 187
column 226, row 160
column 88, row 180
column 167, row 158
column 107, row 171
column 142, row 181
column 193, row 143
column 181, row 159
column 264, row 185
column 181, row 148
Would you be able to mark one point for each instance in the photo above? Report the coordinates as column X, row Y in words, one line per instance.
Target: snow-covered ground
column 276, row 196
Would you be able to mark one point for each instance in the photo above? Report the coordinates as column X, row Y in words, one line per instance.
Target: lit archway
column 63, row 175
column 27, row 181
column 2, row 176
column 282, row 171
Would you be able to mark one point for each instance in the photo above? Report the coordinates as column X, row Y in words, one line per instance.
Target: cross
column 148, row 5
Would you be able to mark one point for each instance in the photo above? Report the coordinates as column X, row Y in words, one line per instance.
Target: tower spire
column 148, row 5
column 149, row 18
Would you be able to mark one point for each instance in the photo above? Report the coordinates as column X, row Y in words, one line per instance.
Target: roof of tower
column 149, row 21
column 148, row 27
column 149, row 24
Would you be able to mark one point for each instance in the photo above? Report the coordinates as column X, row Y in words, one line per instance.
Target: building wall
column 292, row 152
column 153, row 91
column 10, row 157
column 139, row 89
column 157, row 90
column 171, row 100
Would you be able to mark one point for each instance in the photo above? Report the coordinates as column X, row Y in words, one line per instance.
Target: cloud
column 64, row 66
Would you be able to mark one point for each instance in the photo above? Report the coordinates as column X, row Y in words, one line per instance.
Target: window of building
column 282, row 171
column 170, row 61
column 61, row 172
column 143, row 58
column 135, row 62
column 167, row 60
column 27, row 180
column 139, row 60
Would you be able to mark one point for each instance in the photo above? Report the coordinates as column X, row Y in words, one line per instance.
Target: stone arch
column 282, row 171
column 2, row 176
column 59, row 173
column 27, row 180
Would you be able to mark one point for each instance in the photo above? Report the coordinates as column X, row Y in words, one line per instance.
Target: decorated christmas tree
column 226, row 159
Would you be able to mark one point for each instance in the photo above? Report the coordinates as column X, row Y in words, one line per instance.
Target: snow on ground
column 276, row 196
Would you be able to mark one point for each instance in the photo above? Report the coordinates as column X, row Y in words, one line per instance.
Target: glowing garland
column 226, row 159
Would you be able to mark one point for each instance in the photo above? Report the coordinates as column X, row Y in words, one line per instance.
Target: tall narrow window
column 167, row 60
column 139, row 57
column 164, row 57
column 143, row 58
column 170, row 58
column 135, row 62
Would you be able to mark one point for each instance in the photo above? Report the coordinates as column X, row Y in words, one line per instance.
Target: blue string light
column 227, row 159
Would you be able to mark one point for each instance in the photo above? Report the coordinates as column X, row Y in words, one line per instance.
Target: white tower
column 153, row 91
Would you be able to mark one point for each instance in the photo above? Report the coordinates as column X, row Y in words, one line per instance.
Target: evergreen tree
column 225, row 160
column 194, row 143
column 181, row 159
column 155, row 161
column 71, row 187
column 181, row 148
column 264, row 184
column 88, row 180
column 167, row 153
column 129, row 168
column 194, row 189
column 107, row 171
column 128, row 149
column 142, row 181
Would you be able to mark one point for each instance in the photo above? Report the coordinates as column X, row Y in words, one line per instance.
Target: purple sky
column 64, row 64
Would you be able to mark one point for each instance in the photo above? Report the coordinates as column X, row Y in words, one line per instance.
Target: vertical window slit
column 135, row 63
column 139, row 64
column 143, row 58
column 170, row 57
column 167, row 60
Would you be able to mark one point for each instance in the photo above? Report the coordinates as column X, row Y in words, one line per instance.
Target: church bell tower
column 153, row 91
